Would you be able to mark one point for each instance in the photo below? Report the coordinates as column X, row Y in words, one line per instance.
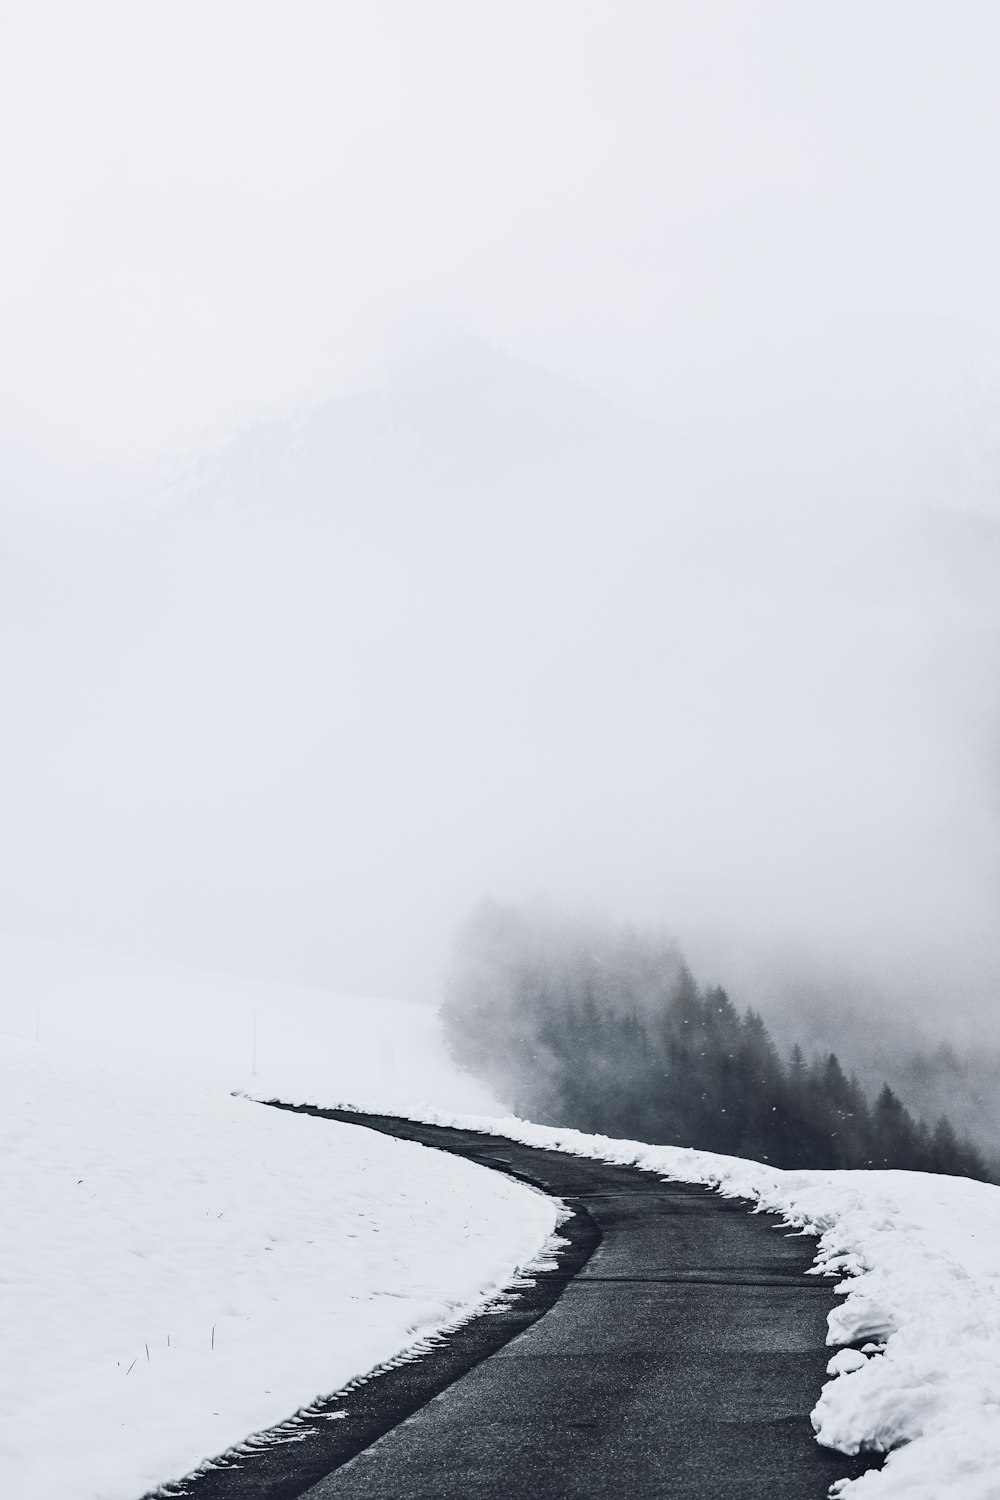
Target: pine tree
column 896, row 1140
column 610, row 1033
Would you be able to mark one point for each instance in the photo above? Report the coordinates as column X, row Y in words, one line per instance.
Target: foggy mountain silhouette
column 455, row 428
column 476, row 630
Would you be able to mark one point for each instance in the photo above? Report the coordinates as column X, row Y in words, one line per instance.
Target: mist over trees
column 881, row 1044
column 580, row 1023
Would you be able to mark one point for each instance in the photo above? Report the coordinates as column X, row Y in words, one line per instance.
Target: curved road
column 675, row 1354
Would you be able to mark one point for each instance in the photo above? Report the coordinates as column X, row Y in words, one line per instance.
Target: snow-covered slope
column 918, row 1262
column 180, row 1268
column 144, row 1207
column 135, row 1185
column 270, row 1040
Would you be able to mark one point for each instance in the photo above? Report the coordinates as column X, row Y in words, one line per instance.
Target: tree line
column 581, row 1024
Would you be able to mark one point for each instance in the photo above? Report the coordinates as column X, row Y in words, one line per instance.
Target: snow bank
column 918, row 1257
column 181, row 1268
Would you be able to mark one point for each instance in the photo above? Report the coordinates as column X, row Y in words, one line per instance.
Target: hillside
column 190, row 1026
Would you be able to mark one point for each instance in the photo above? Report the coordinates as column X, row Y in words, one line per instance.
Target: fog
column 537, row 450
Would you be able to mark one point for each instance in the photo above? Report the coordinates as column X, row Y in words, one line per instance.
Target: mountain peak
column 458, row 416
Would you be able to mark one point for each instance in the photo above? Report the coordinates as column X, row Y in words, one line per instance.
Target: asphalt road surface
column 675, row 1353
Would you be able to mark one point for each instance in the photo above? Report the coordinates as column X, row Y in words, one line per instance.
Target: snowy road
column 682, row 1358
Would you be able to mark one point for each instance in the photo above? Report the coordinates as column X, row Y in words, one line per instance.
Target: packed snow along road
column 679, row 1359
column 919, row 1261
column 181, row 1268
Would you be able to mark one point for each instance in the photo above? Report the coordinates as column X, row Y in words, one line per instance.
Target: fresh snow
column 917, row 1259
column 116, row 1172
column 272, row 1040
column 181, row 1268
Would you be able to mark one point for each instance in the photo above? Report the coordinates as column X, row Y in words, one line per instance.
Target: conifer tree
column 608, row 1032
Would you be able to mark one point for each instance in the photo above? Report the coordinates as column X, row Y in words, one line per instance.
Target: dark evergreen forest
column 580, row 1024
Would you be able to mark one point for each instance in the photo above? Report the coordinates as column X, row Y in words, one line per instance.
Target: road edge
column 284, row 1461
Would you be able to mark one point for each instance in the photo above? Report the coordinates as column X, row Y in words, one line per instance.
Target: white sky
column 773, row 226
column 769, row 218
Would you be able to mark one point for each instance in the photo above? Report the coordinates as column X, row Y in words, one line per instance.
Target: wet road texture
column 675, row 1353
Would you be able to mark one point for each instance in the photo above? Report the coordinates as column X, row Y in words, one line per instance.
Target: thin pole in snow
column 254, row 1064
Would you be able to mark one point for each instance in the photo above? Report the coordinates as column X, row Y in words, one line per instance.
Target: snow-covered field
column 271, row 1040
column 918, row 1262
column 180, row 1268
column 142, row 1202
